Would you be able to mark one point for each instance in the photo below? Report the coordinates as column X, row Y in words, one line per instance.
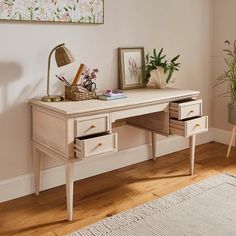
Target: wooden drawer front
column 95, row 145
column 92, row 125
column 185, row 109
column 189, row 127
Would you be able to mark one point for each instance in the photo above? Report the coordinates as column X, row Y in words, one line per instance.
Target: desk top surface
column 135, row 98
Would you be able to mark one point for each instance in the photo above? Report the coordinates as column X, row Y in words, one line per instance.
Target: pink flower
column 133, row 67
column 54, row 2
column 65, row 17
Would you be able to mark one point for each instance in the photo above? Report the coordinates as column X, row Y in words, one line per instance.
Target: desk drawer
column 189, row 127
column 185, row 109
column 94, row 145
column 92, row 125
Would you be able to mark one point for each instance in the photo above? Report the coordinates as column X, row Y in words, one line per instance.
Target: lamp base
column 52, row 98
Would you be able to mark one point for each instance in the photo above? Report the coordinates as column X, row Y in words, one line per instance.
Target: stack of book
column 112, row 95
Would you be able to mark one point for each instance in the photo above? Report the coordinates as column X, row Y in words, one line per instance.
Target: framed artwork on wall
column 71, row 11
column 131, row 68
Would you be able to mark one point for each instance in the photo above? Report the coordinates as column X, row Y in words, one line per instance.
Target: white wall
column 224, row 29
column 179, row 26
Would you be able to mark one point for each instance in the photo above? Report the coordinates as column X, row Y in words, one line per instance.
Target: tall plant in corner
column 229, row 77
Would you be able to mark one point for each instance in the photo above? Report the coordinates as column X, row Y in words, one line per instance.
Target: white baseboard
column 53, row 177
column 176, row 143
column 222, row 136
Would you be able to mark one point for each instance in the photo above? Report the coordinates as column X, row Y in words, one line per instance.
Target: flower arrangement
column 90, row 74
column 159, row 70
column 88, row 79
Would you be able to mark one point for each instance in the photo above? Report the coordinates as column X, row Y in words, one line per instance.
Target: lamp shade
column 63, row 56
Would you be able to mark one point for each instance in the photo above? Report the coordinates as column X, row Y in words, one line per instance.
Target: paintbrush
column 62, row 79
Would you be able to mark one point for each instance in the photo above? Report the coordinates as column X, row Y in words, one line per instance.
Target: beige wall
column 224, row 29
column 179, row 26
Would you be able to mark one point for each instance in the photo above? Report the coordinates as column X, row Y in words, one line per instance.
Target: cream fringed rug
column 206, row 208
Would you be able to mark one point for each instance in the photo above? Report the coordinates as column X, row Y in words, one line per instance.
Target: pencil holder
column 73, row 93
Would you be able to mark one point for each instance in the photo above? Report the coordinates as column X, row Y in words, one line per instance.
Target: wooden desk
column 73, row 131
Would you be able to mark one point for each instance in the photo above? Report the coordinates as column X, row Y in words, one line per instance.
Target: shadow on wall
column 15, row 120
column 9, row 72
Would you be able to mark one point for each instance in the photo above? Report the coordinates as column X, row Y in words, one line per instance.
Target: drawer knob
column 100, row 144
column 93, row 126
column 197, row 125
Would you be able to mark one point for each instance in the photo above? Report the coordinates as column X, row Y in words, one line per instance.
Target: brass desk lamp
column 63, row 57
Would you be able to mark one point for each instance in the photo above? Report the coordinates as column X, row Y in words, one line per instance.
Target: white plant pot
column 157, row 78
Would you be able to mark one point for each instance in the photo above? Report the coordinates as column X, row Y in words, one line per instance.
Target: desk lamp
column 63, row 57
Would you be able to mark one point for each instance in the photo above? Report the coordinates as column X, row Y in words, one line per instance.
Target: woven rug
column 205, row 208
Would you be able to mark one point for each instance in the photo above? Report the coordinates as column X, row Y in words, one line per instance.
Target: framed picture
column 131, row 68
column 73, row 11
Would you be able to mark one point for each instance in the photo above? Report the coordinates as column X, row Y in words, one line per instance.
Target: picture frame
column 131, row 66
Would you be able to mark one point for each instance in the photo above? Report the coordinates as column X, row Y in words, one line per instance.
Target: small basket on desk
column 73, row 93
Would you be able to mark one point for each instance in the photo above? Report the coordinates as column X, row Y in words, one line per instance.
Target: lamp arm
column 49, row 65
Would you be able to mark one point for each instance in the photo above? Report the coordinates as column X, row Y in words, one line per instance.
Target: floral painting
column 82, row 11
column 131, row 67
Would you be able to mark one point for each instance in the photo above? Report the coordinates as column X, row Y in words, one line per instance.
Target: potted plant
column 159, row 70
column 229, row 77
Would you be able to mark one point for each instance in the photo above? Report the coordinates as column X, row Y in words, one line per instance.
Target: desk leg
column 69, row 169
column 36, row 157
column 154, row 146
column 192, row 141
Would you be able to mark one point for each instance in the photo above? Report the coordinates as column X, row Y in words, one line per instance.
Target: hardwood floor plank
column 108, row 194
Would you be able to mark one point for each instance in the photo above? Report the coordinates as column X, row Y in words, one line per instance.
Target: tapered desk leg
column 154, row 146
column 192, row 141
column 69, row 169
column 231, row 141
column 36, row 158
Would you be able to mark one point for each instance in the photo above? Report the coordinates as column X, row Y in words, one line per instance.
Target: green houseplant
column 229, row 77
column 159, row 70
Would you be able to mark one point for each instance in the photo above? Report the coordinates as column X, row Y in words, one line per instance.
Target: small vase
column 157, row 78
column 232, row 113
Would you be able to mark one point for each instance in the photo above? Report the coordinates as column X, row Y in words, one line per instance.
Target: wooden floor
column 108, row 194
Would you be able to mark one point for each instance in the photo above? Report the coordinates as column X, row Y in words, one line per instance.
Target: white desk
column 73, row 131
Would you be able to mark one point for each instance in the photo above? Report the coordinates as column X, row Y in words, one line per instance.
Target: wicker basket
column 73, row 93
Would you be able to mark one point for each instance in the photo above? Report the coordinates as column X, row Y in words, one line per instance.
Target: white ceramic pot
column 157, row 78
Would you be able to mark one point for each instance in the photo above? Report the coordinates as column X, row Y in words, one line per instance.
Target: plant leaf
column 159, row 54
column 175, row 58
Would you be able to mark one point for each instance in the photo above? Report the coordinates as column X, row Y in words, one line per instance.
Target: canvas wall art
column 74, row 11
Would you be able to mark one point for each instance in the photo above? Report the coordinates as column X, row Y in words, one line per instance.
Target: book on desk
column 112, row 95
